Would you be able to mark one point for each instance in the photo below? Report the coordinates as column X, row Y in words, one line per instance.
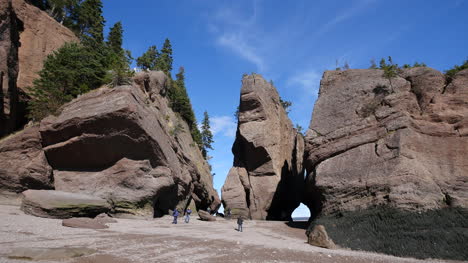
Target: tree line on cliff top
column 77, row 68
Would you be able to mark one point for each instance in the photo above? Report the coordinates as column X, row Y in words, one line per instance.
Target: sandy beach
column 157, row 240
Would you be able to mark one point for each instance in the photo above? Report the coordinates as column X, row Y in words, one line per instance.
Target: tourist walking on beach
column 187, row 215
column 175, row 214
column 240, row 221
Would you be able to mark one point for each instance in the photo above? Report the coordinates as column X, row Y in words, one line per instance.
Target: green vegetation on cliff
column 76, row 68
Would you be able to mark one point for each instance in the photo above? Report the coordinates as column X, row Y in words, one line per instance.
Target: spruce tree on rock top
column 115, row 38
column 164, row 61
column 91, row 22
column 119, row 59
column 148, row 60
column 206, row 135
column 180, row 103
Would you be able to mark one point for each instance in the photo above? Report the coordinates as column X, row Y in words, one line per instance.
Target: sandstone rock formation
column 127, row 146
column 10, row 27
column 58, row 204
column 318, row 237
column 205, row 216
column 23, row 164
column 84, row 222
column 402, row 144
column 41, row 35
column 28, row 35
column 124, row 145
column 267, row 178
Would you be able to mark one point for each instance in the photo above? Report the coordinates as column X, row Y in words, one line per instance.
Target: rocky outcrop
column 318, row 237
column 27, row 36
column 127, row 146
column 205, row 216
column 400, row 142
column 388, row 156
column 267, row 177
column 23, row 164
column 40, row 37
column 58, row 204
column 10, row 28
column 84, row 222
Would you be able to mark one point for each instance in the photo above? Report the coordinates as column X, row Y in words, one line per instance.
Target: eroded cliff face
column 10, row 28
column 124, row 145
column 401, row 144
column 41, row 35
column 267, row 178
column 27, row 36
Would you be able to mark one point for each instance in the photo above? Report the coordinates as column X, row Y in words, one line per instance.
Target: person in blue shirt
column 175, row 214
column 240, row 221
column 187, row 215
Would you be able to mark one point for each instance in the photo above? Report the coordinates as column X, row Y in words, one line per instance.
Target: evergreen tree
column 373, row 64
column 119, row 60
column 91, row 22
column 148, row 60
column 68, row 72
column 390, row 70
column 164, row 61
column 286, row 104
column 115, row 38
column 451, row 72
column 180, row 103
column 206, row 135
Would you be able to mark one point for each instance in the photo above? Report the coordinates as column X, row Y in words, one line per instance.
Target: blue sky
column 289, row 42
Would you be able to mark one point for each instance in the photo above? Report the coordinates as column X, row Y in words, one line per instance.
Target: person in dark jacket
column 187, row 215
column 240, row 221
column 175, row 214
column 228, row 213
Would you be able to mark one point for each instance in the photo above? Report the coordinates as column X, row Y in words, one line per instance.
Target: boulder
column 126, row 145
column 318, row 237
column 267, row 178
column 105, row 219
column 58, row 204
column 23, row 164
column 401, row 144
column 205, row 216
column 83, row 222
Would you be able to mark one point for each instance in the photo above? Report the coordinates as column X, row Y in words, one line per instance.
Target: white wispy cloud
column 236, row 30
column 349, row 13
column 237, row 43
column 308, row 81
column 223, row 125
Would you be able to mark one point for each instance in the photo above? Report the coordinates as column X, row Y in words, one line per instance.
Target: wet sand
column 158, row 240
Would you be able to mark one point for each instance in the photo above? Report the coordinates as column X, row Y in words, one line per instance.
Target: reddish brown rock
column 28, row 36
column 23, row 164
column 41, row 36
column 105, row 219
column 368, row 145
column 318, row 237
column 267, row 178
column 205, row 216
column 58, row 204
column 84, row 222
column 10, row 28
column 126, row 145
